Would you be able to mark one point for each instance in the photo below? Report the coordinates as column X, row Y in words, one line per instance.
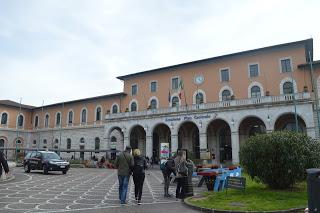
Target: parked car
column 46, row 161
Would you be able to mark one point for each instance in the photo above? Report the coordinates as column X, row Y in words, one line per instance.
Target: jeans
column 123, row 187
column 138, row 180
column 181, row 187
column 166, row 178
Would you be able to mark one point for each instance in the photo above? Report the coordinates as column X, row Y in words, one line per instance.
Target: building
column 207, row 106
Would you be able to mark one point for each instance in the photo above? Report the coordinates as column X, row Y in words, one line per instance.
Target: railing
column 215, row 105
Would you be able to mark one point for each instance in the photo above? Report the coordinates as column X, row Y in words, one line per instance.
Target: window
column 175, row 101
column 98, row 114
column 46, row 121
column 58, row 119
column 224, row 74
column 4, row 118
column 253, row 70
column 82, row 140
column 175, row 83
column 133, row 107
column 68, row 144
column 1, row 142
column 153, row 86
column 113, row 139
column 153, row 104
column 199, row 98
column 97, row 144
column 226, row 95
column 114, row 109
column 286, row 65
column 34, row 142
column 36, row 121
column 134, row 89
column 255, row 92
column 56, row 141
column 84, row 116
column 287, row 88
column 44, row 141
column 70, row 117
column 20, row 121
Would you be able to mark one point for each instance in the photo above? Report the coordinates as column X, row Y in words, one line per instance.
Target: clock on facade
column 198, row 79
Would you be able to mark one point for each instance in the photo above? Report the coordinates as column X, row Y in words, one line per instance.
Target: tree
column 279, row 159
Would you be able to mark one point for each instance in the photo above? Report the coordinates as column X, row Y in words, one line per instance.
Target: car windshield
column 50, row 156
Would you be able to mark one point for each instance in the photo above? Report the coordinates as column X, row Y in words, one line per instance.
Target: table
column 208, row 178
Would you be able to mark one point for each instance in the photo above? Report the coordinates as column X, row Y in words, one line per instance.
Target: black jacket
column 3, row 162
column 140, row 164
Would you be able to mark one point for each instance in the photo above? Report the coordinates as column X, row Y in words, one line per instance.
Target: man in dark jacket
column 124, row 163
column 3, row 163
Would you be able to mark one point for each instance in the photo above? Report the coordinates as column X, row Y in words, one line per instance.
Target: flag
column 169, row 97
column 181, row 85
column 180, row 88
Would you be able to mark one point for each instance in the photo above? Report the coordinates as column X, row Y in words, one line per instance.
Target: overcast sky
column 62, row 50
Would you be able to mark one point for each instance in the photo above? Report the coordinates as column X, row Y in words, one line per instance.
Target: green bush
column 279, row 159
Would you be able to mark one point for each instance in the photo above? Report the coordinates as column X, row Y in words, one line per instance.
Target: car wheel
column 27, row 168
column 45, row 170
column 64, row 172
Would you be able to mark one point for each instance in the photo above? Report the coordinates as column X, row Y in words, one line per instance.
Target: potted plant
column 127, row 109
column 108, row 111
column 305, row 89
column 267, row 93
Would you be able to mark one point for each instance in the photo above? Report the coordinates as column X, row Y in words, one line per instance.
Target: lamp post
column 315, row 90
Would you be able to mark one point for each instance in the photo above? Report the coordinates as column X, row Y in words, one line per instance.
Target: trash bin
column 313, row 185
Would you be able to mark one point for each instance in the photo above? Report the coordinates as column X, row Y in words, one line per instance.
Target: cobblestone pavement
column 83, row 190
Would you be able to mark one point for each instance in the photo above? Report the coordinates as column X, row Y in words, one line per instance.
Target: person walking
column 181, row 174
column 140, row 164
column 168, row 169
column 4, row 164
column 124, row 163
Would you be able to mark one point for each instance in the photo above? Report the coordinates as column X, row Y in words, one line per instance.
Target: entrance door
column 82, row 153
column 225, row 145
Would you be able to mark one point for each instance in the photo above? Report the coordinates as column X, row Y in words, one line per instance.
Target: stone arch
column 219, row 140
column 288, row 79
column 255, row 83
column 226, row 87
column 188, row 138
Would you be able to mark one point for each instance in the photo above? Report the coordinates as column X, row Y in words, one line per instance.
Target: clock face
column 199, row 79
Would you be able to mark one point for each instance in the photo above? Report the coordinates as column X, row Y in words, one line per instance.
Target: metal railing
column 215, row 105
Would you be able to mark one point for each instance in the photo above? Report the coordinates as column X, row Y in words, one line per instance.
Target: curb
column 7, row 179
column 207, row 210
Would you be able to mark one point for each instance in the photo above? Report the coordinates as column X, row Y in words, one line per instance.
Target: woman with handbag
column 140, row 164
column 181, row 174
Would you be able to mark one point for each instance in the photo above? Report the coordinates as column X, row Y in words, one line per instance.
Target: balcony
column 215, row 106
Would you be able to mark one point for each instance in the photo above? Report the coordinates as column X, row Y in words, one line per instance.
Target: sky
column 61, row 50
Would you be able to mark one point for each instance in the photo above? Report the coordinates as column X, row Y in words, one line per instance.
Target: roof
column 15, row 104
column 308, row 45
column 307, row 65
column 86, row 99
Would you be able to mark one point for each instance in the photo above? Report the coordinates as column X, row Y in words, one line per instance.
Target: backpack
column 163, row 165
column 182, row 169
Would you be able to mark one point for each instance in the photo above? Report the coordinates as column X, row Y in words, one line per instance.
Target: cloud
column 65, row 50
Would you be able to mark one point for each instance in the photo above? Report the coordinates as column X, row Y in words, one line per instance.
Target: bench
column 235, row 183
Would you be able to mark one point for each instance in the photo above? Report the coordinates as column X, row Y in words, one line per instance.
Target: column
column 126, row 140
column 203, row 145
column 235, row 147
column 149, row 146
column 174, row 144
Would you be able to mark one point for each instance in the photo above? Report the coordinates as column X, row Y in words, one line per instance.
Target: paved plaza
column 83, row 190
